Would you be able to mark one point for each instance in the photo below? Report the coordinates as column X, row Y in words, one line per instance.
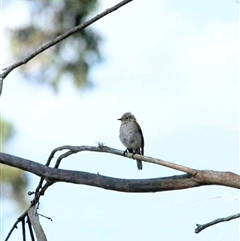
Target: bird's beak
column 119, row 119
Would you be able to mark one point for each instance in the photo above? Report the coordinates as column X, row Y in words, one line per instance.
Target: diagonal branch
column 201, row 227
column 76, row 149
column 59, row 39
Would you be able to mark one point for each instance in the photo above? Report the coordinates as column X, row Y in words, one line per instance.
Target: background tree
column 48, row 19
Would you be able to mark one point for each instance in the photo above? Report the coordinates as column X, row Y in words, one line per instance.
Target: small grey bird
column 131, row 135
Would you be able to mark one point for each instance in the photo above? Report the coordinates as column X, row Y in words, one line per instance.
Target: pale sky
column 175, row 66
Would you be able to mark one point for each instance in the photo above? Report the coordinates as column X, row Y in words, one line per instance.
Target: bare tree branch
column 58, row 39
column 200, row 227
column 39, row 234
column 20, row 219
column 49, row 175
column 76, row 149
column 194, row 178
column 23, row 230
column 30, row 229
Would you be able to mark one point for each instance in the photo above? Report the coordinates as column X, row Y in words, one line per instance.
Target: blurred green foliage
column 7, row 132
column 13, row 181
column 69, row 60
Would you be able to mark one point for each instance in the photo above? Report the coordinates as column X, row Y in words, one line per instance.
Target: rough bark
column 199, row 177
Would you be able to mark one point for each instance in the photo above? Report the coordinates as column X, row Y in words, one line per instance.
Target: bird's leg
column 133, row 152
column 130, row 151
column 124, row 153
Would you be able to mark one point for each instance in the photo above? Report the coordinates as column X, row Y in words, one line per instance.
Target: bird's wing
column 142, row 138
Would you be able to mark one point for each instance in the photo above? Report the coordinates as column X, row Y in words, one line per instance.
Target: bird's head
column 127, row 117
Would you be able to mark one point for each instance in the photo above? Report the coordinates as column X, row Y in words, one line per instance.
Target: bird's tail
column 139, row 165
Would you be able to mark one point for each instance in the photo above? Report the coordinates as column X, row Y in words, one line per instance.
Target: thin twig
column 58, row 39
column 40, row 190
column 39, row 186
column 45, row 217
column 23, row 229
column 30, row 229
column 75, row 149
column 15, row 224
column 66, row 154
column 201, row 227
column 35, row 200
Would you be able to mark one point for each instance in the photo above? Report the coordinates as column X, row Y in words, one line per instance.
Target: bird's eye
column 127, row 117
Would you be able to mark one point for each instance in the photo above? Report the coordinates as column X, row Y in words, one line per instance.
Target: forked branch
column 50, row 175
column 193, row 178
